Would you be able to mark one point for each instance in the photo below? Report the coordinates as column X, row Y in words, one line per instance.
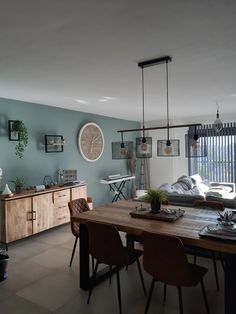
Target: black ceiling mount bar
column 161, row 127
column 152, row 62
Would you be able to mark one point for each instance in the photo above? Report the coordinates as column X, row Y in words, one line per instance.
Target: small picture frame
column 122, row 153
column 54, row 143
column 13, row 135
column 171, row 151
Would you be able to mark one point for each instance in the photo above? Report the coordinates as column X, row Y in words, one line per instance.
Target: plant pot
column 18, row 189
column 155, row 206
column 3, row 266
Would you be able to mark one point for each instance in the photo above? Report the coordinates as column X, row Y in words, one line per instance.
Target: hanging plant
column 18, row 126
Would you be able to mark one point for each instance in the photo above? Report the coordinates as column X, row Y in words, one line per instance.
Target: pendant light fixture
column 144, row 143
column 195, row 140
column 218, row 125
column 168, row 148
column 123, row 149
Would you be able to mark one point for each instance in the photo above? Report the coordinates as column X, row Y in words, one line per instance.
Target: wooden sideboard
column 31, row 212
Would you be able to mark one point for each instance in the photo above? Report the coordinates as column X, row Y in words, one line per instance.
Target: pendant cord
column 167, row 100
column 143, row 101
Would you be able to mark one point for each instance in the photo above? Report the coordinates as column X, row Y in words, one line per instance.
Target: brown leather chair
column 76, row 206
column 106, row 247
column 165, row 260
column 215, row 205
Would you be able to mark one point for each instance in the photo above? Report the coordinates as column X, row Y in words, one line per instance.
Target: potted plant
column 19, row 126
column 155, row 197
column 18, row 183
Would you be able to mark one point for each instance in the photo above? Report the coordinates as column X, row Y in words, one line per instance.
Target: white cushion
column 196, row 178
column 140, row 193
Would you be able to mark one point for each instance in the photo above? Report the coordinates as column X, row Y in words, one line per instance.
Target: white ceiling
column 83, row 54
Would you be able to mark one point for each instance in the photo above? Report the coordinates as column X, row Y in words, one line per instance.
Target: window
column 218, row 162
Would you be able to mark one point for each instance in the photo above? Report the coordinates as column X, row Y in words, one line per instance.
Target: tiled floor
column 41, row 282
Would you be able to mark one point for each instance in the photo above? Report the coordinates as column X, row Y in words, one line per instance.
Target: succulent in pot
column 226, row 218
column 155, row 197
column 18, row 183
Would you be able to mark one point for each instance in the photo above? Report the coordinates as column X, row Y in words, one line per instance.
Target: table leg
column 84, row 258
column 230, row 283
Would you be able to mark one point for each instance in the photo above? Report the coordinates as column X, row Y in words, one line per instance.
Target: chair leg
column 222, row 261
column 141, row 277
column 215, row 270
column 118, row 289
column 165, row 287
column 73, row 252
column 93, row 281
column 205, row 297
column 180, row 300
column 93, row 267
column 110, row 273
column 149, row 296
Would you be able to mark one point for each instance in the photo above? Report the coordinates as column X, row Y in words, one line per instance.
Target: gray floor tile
column 17, row 305
column 56, row 257
column 56, row 237
column 26, row 249
column 52, row 291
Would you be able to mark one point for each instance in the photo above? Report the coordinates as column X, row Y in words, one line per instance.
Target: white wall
column 167, row 169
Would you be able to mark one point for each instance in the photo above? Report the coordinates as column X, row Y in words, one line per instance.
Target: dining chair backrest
column 217, row 205
column 165, row 259
column 77, row 206
column 105, row 244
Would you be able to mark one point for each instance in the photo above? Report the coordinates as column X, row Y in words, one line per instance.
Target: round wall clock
column 91, row 141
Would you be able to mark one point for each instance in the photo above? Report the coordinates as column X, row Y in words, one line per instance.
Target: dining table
column 187, row 227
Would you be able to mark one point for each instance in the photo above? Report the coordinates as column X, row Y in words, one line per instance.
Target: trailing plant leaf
column 19, row 126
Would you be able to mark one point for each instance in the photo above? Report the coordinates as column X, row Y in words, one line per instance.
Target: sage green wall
column 36, row 164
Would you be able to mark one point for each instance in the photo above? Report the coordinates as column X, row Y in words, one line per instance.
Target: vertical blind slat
column 219, row 165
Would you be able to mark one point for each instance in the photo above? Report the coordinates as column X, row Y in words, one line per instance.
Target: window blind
column 218, row 164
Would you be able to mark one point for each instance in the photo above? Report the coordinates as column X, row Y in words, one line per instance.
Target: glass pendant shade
column 168, row 148
column 122, row 150
column 143, row 148
column 218, row 125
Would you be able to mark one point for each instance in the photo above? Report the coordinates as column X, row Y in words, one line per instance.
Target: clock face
column 91, row 141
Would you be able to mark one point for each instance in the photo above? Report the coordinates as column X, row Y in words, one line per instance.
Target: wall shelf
column 54, row 143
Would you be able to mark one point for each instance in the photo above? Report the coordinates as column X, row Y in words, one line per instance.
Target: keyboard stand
column 117, row 185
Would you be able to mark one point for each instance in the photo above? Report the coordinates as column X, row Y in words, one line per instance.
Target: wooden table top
column 186, row 228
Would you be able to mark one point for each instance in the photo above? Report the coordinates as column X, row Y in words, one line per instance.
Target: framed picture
column 168, row 151
column 122, row 153
column 143, row 150
column 13, row 134
column 54, row 143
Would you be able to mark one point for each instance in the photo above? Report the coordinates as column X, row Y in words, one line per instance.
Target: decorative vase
column 155, row 206
column 7, row 191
